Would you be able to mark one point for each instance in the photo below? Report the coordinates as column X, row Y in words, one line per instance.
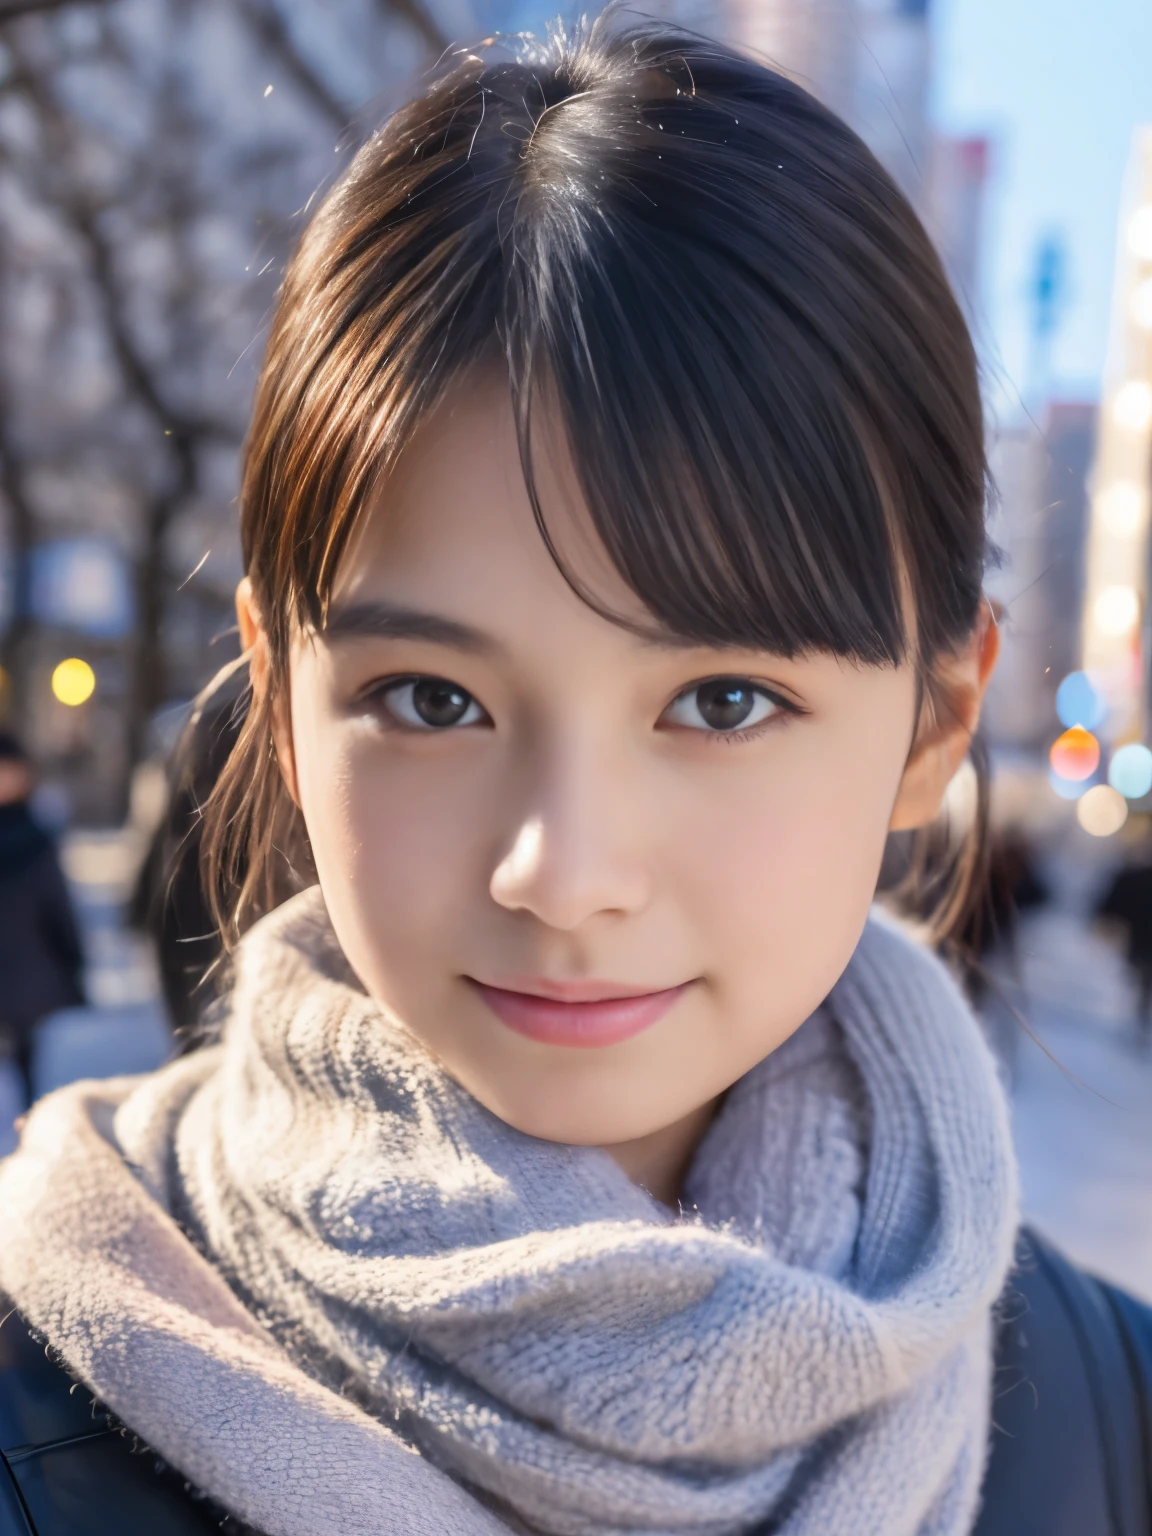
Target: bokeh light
column 1140, row 233
column 73, row 681
column 1124, row 508
column 1078, row 702
column 1132, row 407
column 1076, row 754
column 1102, row 811
column 1130, row 770
column 1067, row 789
column 1116, row 610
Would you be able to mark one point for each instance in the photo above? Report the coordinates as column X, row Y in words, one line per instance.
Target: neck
column 659, row 1161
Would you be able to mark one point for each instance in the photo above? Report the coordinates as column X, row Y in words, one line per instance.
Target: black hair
column 769, row 391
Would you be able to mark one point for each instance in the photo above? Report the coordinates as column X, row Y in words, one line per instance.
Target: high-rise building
column 888, row 104
column 814, row 41
column 1018, row 708
column 957, row 184
column 1115, row 614
column 1069, row 444
column 1039, row 527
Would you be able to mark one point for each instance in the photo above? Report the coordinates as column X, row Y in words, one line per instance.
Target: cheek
column 395, row 848
column 784, row 865
column 409, row 840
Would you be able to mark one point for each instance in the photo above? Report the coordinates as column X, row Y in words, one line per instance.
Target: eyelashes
column 421, row 703
column 726, row 708
column 730, row 708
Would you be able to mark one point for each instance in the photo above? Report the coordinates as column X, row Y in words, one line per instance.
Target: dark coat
column 1071, row 1446
column 1129, row 900
column 40, row 956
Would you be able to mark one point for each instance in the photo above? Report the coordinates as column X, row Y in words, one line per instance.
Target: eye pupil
column 725, row 704
column 438, row 702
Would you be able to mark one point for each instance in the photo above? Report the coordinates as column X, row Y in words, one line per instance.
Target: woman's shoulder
column 67, row 1470
column 1071, row 1450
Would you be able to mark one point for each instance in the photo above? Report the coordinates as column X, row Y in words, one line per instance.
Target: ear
column 948, row 720
column 254, row 640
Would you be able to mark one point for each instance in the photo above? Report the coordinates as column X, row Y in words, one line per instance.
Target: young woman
column 578, row 1155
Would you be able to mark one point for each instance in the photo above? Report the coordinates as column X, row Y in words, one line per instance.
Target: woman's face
column 599, row 876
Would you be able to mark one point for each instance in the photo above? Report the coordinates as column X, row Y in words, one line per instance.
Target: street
column 1082, row 1101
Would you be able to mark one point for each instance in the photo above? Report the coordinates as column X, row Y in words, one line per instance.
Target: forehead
column 451, row 532
column 452, row 523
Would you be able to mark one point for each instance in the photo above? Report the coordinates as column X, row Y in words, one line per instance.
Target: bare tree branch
column 137, row 371
column 81, row 215
column 132, row 229
column 272, row 30
column 180, row 433
column 416, row 14
column 11, row 9
column 21, row 538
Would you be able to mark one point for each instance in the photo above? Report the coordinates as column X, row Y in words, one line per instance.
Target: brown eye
column 725, row 706
column 431, row 704
column 722, row 704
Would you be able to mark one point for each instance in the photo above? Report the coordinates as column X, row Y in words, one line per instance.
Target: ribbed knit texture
column 338, row 1294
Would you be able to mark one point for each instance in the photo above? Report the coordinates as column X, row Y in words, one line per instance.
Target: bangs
column 747, row 331
column 768, row 391
column 723, row 469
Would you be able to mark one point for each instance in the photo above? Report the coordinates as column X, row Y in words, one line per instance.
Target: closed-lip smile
column 580, row 1014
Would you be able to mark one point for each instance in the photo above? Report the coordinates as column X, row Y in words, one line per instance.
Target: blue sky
column 1059, row 85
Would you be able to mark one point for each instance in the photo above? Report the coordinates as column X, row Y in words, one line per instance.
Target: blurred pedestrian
column 1128, row 901
column 1013, row 885
column 41, row 961
column 988, row 956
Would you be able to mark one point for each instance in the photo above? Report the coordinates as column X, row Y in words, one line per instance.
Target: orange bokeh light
column 1075, row 755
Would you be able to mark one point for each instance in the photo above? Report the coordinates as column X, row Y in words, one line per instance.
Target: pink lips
column 584, row 1022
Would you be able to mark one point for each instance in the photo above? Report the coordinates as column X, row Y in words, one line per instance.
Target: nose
column 575, row 854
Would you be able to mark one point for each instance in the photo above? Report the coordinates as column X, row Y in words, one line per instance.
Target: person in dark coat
column 41, row 961
column 1128, row 901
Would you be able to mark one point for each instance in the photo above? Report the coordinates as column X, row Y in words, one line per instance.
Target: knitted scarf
column 334, row 1291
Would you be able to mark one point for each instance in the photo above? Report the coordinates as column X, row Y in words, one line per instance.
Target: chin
column 586, row 1114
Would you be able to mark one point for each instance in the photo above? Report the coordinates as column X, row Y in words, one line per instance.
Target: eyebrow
column 390, row 621
column 393, row 621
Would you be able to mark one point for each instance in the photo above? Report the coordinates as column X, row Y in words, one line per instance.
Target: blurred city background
column 157, row 159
